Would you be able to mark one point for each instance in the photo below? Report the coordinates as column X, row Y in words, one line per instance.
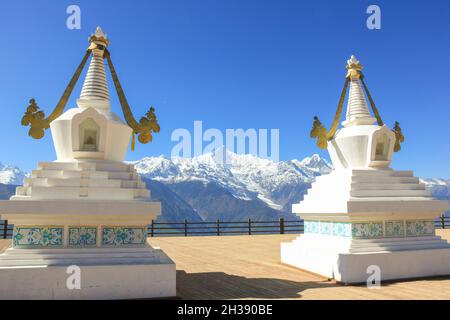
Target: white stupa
column 364, row 213
column 88, row 208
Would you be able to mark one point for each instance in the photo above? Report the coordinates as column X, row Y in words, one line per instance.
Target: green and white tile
column 39, row 236
column 123, row 236
column 82, row 236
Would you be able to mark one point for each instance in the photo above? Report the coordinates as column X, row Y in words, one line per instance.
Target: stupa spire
column 95, row 92
column 95, row 95
column 357, row 109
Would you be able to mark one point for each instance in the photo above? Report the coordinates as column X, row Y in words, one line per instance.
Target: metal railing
column 216, row 228
column 442, row 223
column 6, row 230
column 220, row 228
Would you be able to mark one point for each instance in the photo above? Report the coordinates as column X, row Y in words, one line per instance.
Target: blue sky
column 236, row 64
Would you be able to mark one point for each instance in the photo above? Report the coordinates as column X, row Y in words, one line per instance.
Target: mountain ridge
column 11, row 175
column 247, row 177
column 206, row 188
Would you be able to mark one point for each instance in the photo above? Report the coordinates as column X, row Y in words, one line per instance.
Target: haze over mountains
column 203, row 188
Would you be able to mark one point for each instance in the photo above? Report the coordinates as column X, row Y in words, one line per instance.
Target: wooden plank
column 248, row 267
column 4, row 244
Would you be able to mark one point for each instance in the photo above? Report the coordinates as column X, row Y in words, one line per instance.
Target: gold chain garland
column 147, row 124
column 337, row 116
column 372, row 103
column 319, row 131
column 35, row 118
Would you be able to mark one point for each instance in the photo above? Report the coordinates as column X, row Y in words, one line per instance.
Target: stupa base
column 333, row 263
column 129, row 273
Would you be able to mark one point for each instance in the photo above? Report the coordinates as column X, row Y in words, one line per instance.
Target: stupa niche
column 364, row 213
column 88, row 208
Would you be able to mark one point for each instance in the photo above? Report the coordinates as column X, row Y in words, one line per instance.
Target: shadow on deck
column 205, row 286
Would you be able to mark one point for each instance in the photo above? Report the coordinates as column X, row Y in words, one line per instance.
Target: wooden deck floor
column 248, row 267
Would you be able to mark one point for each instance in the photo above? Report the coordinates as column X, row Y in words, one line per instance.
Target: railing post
column 281, row 225
column 5, row 229
column 185, row 228
column 152, row 229
column 443, row 220
column 249, row 227
column 218, row 227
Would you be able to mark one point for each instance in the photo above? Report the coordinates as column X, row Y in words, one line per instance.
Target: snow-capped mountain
column 246, row 177
column 242, row 187
column 440, row 188
column 205, row 188
column 11, row 175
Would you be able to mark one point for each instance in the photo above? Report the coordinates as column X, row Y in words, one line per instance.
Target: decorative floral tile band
column 419, row 228
column 82, row 236
column 367, row 230
column 340, row 229
column 120, row 236
column 395, row 228
column 78, row 236
column 38, row 236
column 371, row 229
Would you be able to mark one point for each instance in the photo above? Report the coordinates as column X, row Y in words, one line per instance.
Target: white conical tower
column 92, row 131
column 88, row 208
column 95, row 91
column 357, row 109
column 364, row 214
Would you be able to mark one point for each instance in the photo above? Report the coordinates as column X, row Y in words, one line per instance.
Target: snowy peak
column 440, row 188
column 156, row 167
column 317, row 164
column 204, row 168
column 312, row 166
column 245, row 176
column 436, row 182
column 11, row 175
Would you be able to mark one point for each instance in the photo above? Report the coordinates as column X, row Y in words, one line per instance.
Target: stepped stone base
column 356, row 218
column 83, row 180
column 330, row 259
column 127, row 273
column 368, row 194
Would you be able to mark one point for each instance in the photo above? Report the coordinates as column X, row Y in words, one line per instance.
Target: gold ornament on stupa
column 354, row 73
column 35, row 118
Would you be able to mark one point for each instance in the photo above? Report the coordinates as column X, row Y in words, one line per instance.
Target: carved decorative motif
column 38, row 236
column 371, row 229
column 82, row 236
column 123, row 236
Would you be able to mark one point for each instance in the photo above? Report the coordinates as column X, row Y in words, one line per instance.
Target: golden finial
column 354, row 68
column 99, row 37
